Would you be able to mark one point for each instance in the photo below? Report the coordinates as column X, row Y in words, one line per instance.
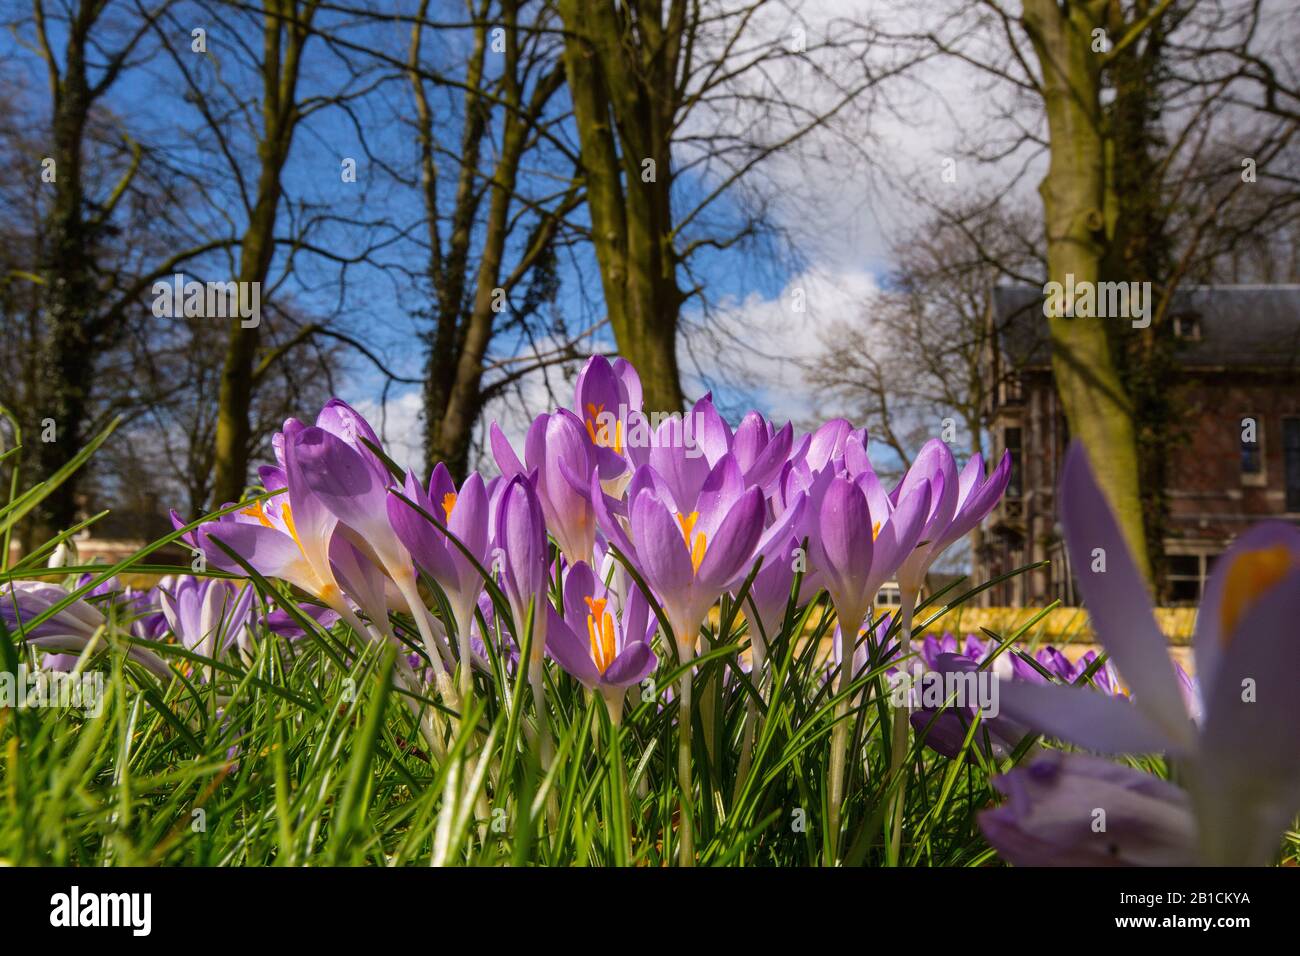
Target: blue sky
column 834, row 210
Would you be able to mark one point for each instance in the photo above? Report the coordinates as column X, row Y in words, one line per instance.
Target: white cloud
column 399, row 422
column 757, row 347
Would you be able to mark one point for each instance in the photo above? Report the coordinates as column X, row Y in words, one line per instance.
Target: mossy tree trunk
column 1092, row 394
column 284, row 34
column 467, row 298
column 623, row 63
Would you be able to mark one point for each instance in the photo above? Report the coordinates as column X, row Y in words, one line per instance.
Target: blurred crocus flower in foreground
column 1240, row 759
column 70, row 630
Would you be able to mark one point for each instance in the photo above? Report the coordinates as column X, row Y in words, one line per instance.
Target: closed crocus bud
column 525, row 558
column 207, row 615
column 861, row 539
column 1080, row 810
column 558, row 452
column 68, row 629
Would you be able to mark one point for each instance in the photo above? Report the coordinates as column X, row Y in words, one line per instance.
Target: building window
column 1187, row 327
column 1252, row 446
column 1011, row 441
column 1291, row 461
column 1186, row 577
column 1013, row 389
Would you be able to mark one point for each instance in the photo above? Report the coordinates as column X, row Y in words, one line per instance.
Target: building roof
column 1240, row 325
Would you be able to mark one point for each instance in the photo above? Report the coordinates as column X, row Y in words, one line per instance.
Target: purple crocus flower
column 688, row 550
column 607, row 399
column 960, row 503
column 861, row 540
column 286, row 537
column 1242, row 761
column 604, row 652
column 525, row 557
column 559, row 453
column 148, row 621
column 280, row 621
column 207, row 615
column 68, row 631
column 525, row 561
column 1051, row 814
column 465, row 516
column 106, row 587
column 690, row 544
column 944, row 729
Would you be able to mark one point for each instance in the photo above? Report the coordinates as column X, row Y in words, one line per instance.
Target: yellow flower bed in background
column 1062, row 625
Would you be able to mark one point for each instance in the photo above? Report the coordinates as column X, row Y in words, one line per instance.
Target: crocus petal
column 1254, row 564
column 348, row 486
column 660, row 547
column 720, row 491
column 422, row 540
column 827, row 443
column 505, row 456
column 855, row 456
column 579, row 584
column 1082, row 716
column 1117, row 600
column 899, row 534
column 272, row 478
column 631, row 380
column 683, row 473
column 266, row 550
column 729, row 555
column 359, row 577
column 976, row 505
column 1248, row 770
column 767, row 466
column 570, row 651
column 711, row 435
column 845, row 549
column 1051, row 814
column 468, row 523
column 343, row 421
column 750, row 439
column 635, row 664
column 606, row 520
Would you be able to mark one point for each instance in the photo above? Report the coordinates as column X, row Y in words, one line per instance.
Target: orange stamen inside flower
column 875, row 531
column 257, row 511
column 287, row 514
column 694, row 543
column 1250, row 575
column 601, row 439
column 448, row 503
column 600, row 632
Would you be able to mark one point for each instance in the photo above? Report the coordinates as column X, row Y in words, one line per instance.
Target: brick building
column 1240, row 357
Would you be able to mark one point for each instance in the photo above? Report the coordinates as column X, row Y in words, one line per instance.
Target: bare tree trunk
column 283, row 26
column 71, row 328
column 622, row 78
column 1097, row 409
column 462, row 332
